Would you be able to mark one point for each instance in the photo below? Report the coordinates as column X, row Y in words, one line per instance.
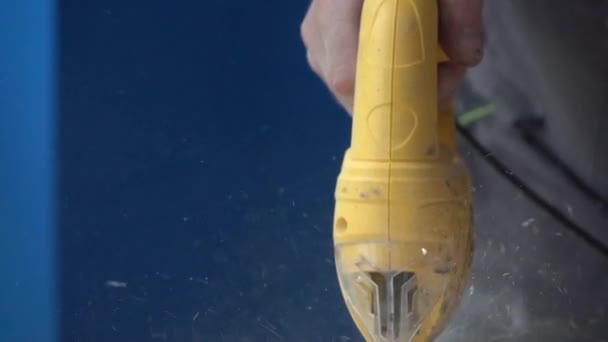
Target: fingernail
column 470, row 46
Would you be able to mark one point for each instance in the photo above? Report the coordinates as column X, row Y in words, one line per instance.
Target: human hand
column 330, row 33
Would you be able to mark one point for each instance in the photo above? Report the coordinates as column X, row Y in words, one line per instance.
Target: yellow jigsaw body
column 402, row 226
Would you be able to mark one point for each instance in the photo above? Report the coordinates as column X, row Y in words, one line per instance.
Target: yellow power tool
column 402, row 225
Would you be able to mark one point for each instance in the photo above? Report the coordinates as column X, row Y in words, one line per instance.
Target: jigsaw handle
column 395, row 106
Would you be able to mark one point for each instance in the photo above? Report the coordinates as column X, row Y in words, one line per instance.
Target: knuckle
column 307, row 28
column 305, row 31
column 341, row 83
column 312, row 62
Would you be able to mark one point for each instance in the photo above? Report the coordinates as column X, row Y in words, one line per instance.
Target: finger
column 461, row 30
column 309, row 31
column 341, row 21
column 346, row 101
column 450, row 76
column 312, row 62
column 312, row 39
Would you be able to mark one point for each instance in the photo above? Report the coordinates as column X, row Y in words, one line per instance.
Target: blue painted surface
column 27, row 256
column 198, row 163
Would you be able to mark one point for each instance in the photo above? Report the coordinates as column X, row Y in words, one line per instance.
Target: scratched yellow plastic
column 402, row 196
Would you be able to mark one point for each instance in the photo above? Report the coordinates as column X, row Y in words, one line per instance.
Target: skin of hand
column 330, row 34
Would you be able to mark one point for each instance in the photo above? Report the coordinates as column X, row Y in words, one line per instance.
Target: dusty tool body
column 402, row 226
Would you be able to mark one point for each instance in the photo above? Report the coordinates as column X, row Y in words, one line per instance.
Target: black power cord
column 533, row 195
column 528, row 128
